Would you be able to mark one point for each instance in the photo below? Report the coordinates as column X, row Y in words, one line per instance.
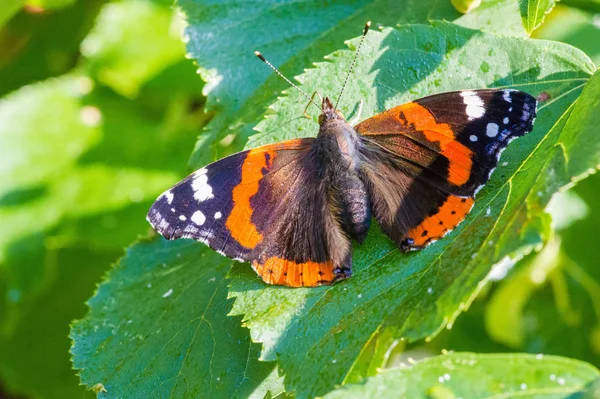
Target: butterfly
column 292, row 208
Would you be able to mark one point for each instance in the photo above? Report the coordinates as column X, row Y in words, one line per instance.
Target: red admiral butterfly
column 292, row 208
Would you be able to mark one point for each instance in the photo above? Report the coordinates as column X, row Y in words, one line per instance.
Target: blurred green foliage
column 83, row 156
column 100, row 111
column 469, row 375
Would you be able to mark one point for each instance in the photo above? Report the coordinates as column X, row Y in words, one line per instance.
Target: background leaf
column 390, row 290
column 501, row 375
column 131, row 42
column 496, row 16
column 575, row 27
column 80, row 166
column 34, row 48
column 176, row 313
column 8, row 9
column 533, row 12
column 558, row 289
column 50, row 4
column 592, row 6
column 53, row 220
column 93, row 187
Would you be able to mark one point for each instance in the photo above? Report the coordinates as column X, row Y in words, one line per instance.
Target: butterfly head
column 329, row 112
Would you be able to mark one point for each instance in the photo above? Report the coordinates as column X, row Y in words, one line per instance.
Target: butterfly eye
column 321, row 118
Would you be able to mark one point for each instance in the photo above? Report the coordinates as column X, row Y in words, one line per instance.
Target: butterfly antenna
column 262, row 58
column 362, row 39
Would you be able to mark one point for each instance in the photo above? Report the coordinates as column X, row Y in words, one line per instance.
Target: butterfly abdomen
column 338, row 148
column 354, row 208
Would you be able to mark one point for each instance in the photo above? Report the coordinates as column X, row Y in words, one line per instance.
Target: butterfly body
column 292, row 208
column 338, row 150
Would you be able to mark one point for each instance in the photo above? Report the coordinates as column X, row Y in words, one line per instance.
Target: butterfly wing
column 426, row 160
column 269, row 206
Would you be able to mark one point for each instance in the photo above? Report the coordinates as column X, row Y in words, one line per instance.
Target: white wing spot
column 202, row 190
column 169, row 196
column 182, row 218
column 491, row 130
column 505, row 120
column 474, row 104
column 510, row 109
column 198, row 218
column 218, row 215
column 173, row 210
column 473, row 138
column 506, row 96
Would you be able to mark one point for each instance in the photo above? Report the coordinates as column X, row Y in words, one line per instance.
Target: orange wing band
column 434, row 227
column 284, row 272
column 413, row 117
column 257, row 162
column 239, row 221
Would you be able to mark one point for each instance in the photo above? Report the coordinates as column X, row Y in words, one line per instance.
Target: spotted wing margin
column 268, row 205
column 200, row 206
column 427, row 159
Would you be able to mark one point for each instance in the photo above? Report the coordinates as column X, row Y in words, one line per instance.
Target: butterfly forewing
column 426, row 160
column 268, row 205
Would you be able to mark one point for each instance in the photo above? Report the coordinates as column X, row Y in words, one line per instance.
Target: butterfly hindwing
column 426, row 160
column 269, row 206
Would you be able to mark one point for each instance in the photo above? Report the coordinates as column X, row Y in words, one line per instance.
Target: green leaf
column 533, row 12
column 35, row 359
column 417, row 294
column 373, row 356
column 568, row 264
column 496, row 16
column 50, row 4
column 56, row 146
column 465, row 6
column 469, row 375
column 132, row 41
column 158, row 325
column 574, row 27
column 240, row 87
column 556, row 291
column 505, row 312
column 592, row 6
column 83, row 157
column 89, row 163
column 8, row 9
column 36, row 46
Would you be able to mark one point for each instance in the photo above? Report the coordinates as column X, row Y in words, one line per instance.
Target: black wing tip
column 530, row 109
column 524, row 103
column 160, row 223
